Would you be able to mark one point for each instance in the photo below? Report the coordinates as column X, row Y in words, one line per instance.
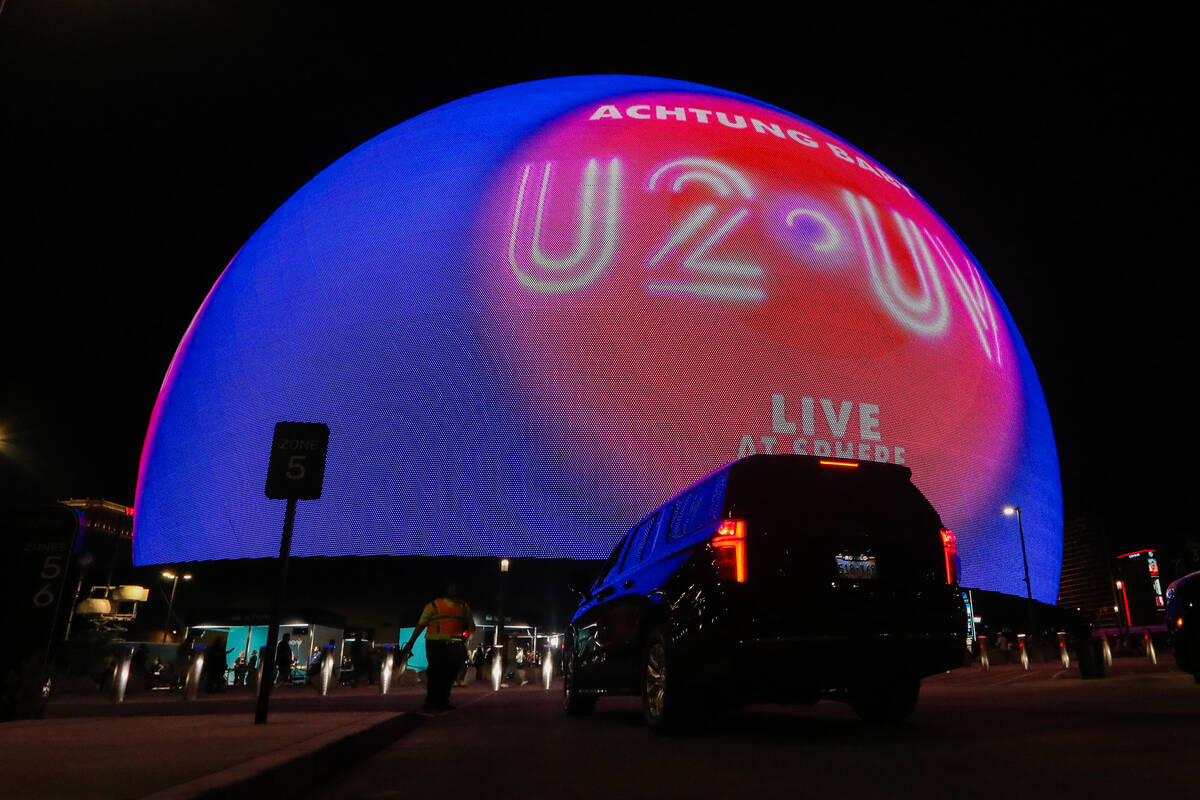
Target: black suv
column 778, row 578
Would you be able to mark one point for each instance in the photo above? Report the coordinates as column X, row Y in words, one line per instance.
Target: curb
column 299, row 767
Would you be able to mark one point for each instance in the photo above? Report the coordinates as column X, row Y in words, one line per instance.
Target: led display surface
column 531, row 315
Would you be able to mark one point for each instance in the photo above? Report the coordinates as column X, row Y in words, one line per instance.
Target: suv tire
column 889, row 701
column 665, row 706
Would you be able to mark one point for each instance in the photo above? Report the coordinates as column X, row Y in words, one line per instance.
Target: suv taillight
column 950, row 549
column 729, row 545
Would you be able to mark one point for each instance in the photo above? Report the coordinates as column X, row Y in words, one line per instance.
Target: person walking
column 284, row 659
column 239, row 670
column 448, row 623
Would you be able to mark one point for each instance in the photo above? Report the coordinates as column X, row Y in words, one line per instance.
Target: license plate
column 856, row 567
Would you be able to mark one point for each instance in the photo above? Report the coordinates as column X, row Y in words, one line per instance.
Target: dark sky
column 143, row 143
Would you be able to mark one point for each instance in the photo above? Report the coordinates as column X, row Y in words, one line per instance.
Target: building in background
column 1141, row 585
column 1088, row 579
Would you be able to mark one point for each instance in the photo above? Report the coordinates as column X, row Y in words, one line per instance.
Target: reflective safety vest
column 446, row 620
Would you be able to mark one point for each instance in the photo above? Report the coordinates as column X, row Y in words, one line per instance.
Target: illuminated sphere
column 531, row 315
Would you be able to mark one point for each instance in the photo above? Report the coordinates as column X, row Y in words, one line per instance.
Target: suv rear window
column 805, row 491
column 819, row 516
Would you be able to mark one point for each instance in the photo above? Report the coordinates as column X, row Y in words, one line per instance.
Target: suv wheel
column 575, row 703
column 663, row 704
column 887, row 701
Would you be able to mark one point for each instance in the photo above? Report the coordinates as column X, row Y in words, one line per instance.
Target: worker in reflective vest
column 448, row 624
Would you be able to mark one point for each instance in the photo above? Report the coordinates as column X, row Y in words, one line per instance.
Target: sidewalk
column 157, row 745
column 1131, row 685
column 1040, row 671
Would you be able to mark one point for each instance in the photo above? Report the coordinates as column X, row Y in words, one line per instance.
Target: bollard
column 983, row 654
column 326, row 669
column 547, row 670
column 1091, row 658
column 1062, row 650
column 1024, row 651
column 385, row 669
column 497, row 671
column 121, row 675
column 1150, row 649
column 254, row 679
column 1107, row 650
column 195, row 668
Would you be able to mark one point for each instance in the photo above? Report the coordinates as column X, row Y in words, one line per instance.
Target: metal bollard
column 1062, row 650
column 385, row 670
column 326, row 669
column 195, row 668
column 1107, row 650
column 497, row 671
column 254, row 679
column 1150, row 649
column 1024, row 651
column 983, row 654
column 547, row 670
column 121, row 675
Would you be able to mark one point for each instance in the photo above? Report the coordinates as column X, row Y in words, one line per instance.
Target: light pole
column 497, row 650
column 1124, row 597
column 174, row 579
column 504, row 563
column 1008, row 512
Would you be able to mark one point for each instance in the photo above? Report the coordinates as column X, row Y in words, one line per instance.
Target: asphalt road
column 1004, row 733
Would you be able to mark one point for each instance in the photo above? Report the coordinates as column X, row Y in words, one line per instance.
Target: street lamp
column 174, row 579
column 1125, row 598
column 1008, row 512
column 504, row 564
column 497, row 651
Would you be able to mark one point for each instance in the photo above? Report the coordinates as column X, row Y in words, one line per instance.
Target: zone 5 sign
column 297, row 466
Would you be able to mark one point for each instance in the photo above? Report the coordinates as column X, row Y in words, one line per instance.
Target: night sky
column 144, row 142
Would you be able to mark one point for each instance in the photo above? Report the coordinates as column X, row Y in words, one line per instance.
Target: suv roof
column 775, row 460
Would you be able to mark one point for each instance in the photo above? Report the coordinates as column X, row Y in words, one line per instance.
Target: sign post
column 296, row 472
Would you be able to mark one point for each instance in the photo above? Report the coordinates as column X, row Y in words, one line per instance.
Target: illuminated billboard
column 531, row 315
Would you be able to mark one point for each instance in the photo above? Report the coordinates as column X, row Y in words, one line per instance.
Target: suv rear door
column 837, row 549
